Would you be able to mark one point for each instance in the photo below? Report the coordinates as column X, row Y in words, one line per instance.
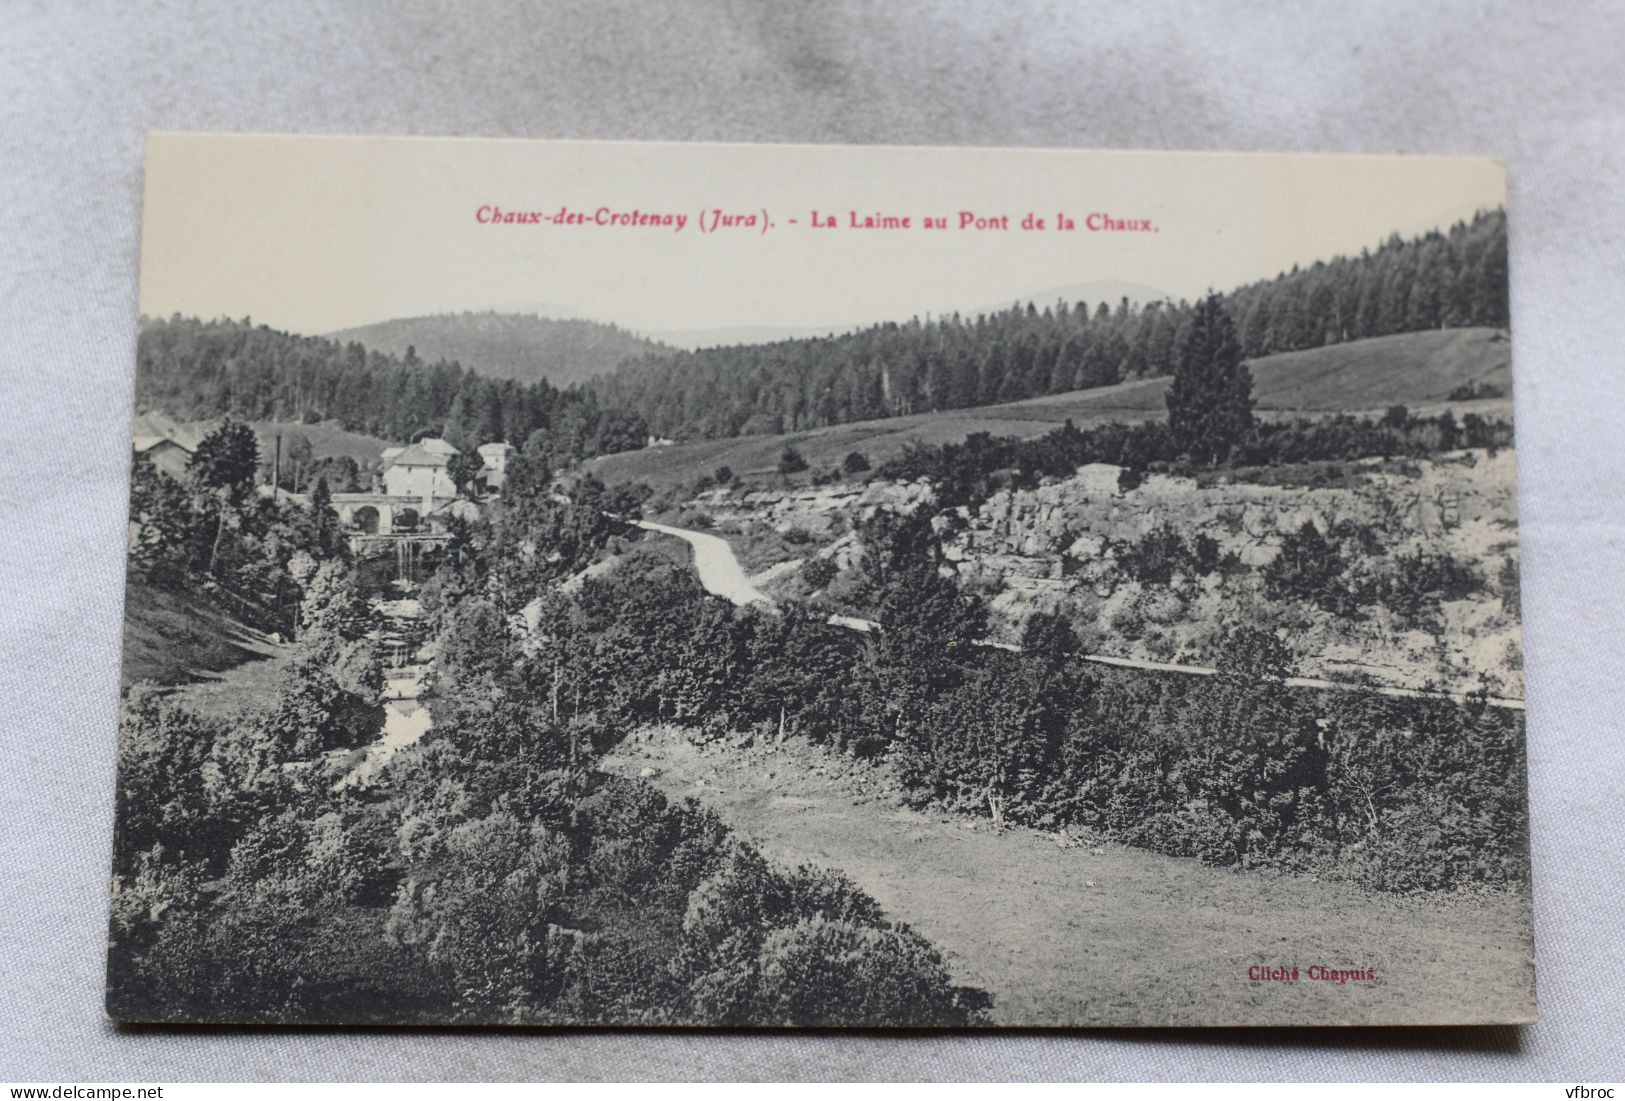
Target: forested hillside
column 202, row 370
column 199, row 370
column 1448, row 279
column 522, row 347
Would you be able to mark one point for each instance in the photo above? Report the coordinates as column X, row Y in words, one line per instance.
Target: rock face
column 1444, row 506
column 1057, row 547
column 820, row 510
column 1062, row 546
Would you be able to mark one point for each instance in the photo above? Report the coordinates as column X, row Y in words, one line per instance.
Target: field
column 1415, row 369
column 327, row 439
column 1061, row 928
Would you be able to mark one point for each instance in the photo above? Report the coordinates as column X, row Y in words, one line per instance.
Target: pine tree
column 1210, row 404
column 1255, row 328
column 226, row 460
column 327, row 520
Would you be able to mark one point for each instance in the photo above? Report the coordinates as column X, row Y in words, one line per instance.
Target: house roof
column 148, row 430
column 147, row 443
column 418, row 455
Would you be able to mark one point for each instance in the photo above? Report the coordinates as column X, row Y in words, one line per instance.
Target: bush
column 1308, row 568
column 827, row 972
column 1418, row 582
column 1159, row 554
column 1476, row 391
column 791, row 462
column 760, row 947
column 1207, row 557
column 818, row 573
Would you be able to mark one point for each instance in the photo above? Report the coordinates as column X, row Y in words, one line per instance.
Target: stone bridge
column 380, row 513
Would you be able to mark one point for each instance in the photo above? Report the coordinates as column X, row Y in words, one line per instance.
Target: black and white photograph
column 767, row 586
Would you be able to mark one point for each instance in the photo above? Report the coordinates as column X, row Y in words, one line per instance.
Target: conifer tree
column 327, row 520
column 1210, row 403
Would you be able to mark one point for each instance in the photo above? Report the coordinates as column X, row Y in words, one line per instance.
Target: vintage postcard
column 716, row 585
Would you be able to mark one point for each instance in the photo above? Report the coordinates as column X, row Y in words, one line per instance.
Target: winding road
column 720, row 573
column 715, row 563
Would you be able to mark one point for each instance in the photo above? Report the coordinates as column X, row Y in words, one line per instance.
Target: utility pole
column 276, row 471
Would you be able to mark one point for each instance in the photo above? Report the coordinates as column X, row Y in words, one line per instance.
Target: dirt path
column 1066, row 933
column 719, row 571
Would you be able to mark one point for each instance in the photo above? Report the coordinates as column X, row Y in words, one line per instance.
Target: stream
column 406, row 716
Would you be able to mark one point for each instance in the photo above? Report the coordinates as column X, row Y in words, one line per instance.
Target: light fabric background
column 1539, row 84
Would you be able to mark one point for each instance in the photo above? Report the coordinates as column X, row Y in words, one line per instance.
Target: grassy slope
column 326, row 438
column 177, row 638
column 1415, row 369
column 1106, row 934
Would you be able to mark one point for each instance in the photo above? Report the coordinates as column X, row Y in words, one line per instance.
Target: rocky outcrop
column 821, row 510
column 1063, row 546
column 1067, row 527
column 1059, row 546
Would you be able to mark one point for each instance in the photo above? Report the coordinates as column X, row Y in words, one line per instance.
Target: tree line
column 196, row 369
column 970, row 471
column 1452, row 278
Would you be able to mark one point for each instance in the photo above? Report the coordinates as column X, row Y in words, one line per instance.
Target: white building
column 165, row 443
column 420, row 471
column 495, row 458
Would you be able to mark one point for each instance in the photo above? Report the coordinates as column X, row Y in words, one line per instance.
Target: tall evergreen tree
column 1210, row 402
column 226, row 460
column 328, row 538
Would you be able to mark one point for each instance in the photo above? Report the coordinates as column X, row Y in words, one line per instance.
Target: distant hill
column 1418, row 370
column 730, row 336
column 1081, row 339
column 524, row 347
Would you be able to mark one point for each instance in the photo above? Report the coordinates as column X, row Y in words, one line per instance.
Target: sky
column 316, row 234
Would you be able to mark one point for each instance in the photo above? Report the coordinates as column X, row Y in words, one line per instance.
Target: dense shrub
column 499, row 878
column 1417, row 583
column 818, row 573
column 1237, row 768
column 1162, row 553
column 1308, row 567
column 791, row 462
column 1508, row 579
